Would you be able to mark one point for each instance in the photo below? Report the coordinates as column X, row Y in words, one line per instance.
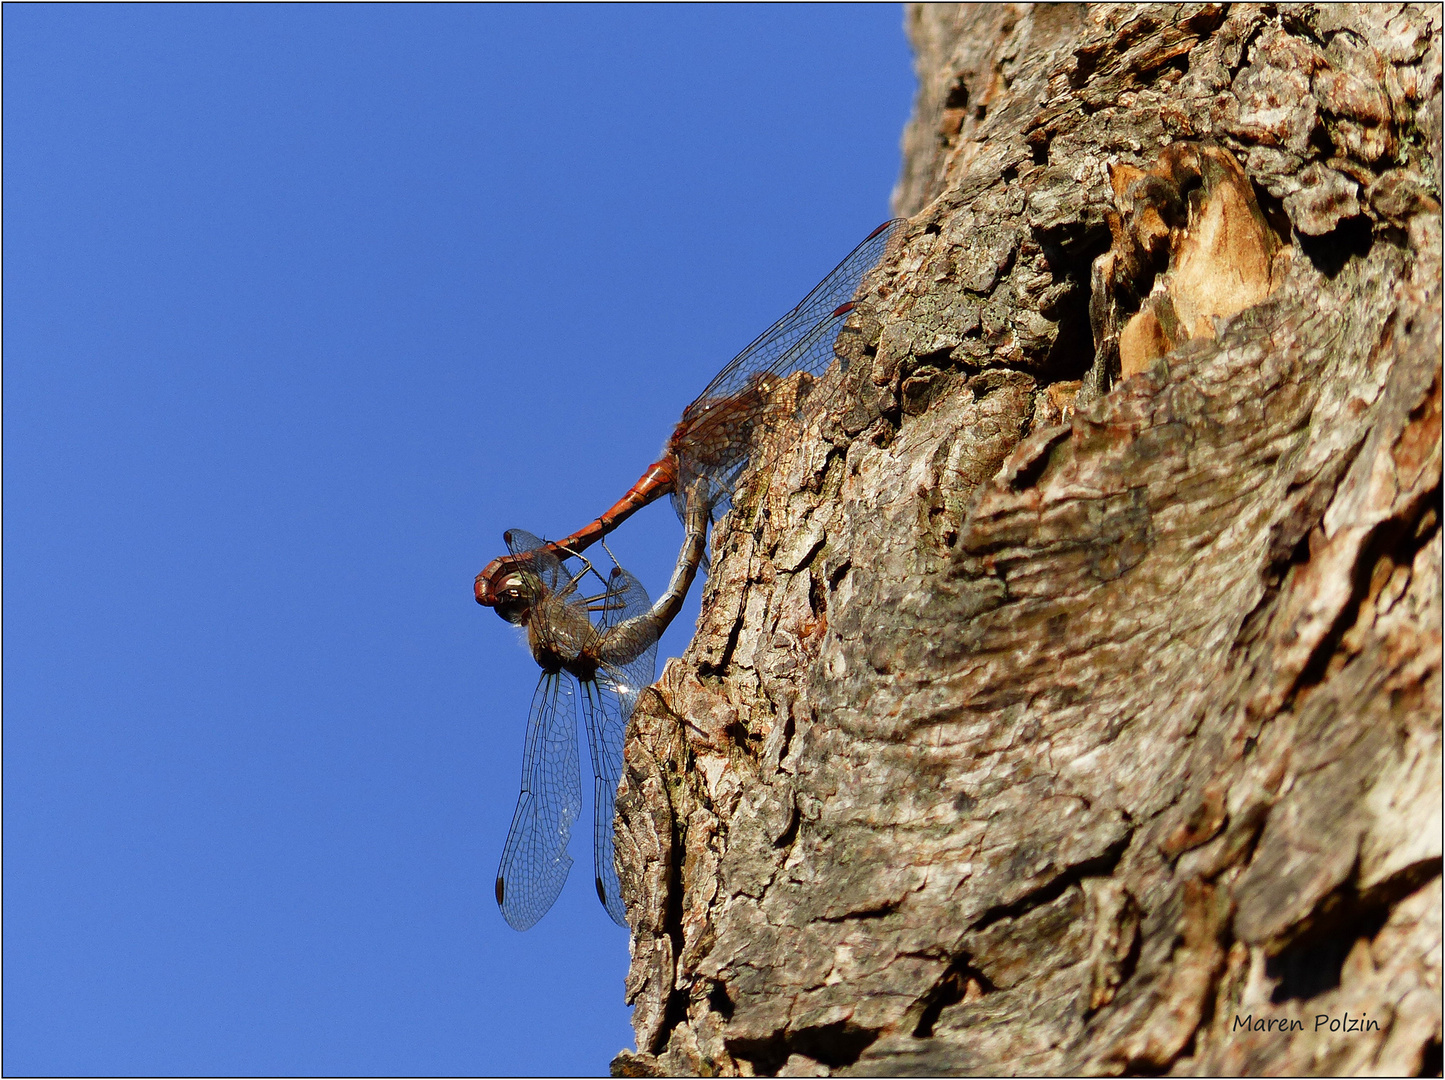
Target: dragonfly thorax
column 561, row 635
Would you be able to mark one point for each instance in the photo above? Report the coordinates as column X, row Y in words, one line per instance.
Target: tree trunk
column 1069, row 699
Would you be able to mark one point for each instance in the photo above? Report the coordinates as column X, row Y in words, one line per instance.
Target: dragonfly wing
column 535, row 861
column 731, row 418
column 626, row 598
column 725, row 436
column 607, row 704
column 839, row 287
column 606, row 725
column 534, row 557
column 627, row 647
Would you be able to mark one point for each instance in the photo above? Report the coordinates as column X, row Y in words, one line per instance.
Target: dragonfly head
column 514, row 598
column 503, row 586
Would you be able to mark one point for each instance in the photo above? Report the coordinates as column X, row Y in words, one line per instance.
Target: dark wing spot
column 501, row 891
column 600, row 894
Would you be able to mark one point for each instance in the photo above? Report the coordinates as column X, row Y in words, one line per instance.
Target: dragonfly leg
column 602, row 602
column 628, row 639
column 609, row 554
column 587, row 568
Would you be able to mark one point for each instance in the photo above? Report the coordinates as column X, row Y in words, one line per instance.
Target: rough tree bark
column 1072, row 692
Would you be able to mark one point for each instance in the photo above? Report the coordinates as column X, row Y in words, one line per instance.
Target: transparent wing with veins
column 546, row 574
column 730, row 430
column 776, row 343
column 535, row 862
column 761, row 384
column 605, row 728
column 535, row 558
column 607, row 705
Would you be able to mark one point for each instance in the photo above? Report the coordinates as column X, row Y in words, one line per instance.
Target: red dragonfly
column 604, row 663
column 728, row 421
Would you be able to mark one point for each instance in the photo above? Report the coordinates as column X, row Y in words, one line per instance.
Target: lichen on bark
column 1069, row 693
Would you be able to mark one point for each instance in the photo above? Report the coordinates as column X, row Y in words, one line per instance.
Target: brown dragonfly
column 728, row 422
column 599, row 650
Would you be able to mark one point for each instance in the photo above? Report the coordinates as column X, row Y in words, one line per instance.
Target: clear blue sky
column 303, row 306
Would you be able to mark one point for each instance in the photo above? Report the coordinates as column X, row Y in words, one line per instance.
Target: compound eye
column 514, row 599
column 512, row 605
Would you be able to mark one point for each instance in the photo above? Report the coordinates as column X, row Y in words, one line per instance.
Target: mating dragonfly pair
column 607, row 643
